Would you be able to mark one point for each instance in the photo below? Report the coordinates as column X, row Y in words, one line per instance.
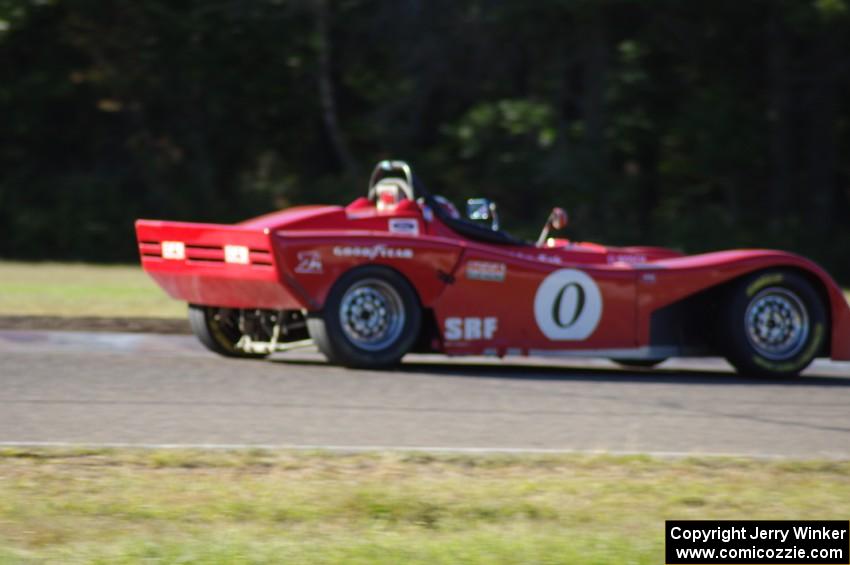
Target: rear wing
column 203, row 243
column 213, row 264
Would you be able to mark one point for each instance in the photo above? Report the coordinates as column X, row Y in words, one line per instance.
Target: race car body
column 400, row 271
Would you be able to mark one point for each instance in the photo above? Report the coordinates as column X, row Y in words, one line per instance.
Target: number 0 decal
column 568, row 305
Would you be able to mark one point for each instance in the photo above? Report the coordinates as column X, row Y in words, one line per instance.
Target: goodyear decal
column 373, row 252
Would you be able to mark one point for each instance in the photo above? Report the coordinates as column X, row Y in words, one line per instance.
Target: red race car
column 401, row 270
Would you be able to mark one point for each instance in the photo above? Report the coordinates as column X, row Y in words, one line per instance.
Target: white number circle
column 568, row 305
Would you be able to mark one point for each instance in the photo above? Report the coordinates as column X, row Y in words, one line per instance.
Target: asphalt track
column 154, row 390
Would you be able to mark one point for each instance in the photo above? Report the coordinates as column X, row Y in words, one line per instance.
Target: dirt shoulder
column 96, row 324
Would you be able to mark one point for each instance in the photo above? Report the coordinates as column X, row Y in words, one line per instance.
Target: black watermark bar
column 763, row 542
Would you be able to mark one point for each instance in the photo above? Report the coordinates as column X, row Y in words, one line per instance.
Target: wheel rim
column 225, row 321
column 777, row 323
column 224, row 324
column 372, row 314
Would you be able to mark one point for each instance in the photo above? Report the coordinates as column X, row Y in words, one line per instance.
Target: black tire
column 641, row 363
column 773, row 323
column 369, row 293
column 217, row 329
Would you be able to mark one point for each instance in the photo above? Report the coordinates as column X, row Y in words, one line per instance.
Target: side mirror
column 557, row 220
column 483, row 210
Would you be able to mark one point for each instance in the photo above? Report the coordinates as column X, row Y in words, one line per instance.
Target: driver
column 389, row 192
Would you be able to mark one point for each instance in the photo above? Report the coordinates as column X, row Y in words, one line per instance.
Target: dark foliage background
column 699, row 125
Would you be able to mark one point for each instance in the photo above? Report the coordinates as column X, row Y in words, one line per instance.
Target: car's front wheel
column 774, row 324
column 370, row 319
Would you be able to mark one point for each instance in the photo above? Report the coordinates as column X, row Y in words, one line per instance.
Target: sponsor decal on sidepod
column 630, row 258
column 407, row 226
column 486, row 271
column 309, row 262
column 568, row 305
column 470, row 328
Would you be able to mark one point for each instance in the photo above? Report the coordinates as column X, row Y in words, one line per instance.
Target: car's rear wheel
column 774, row 324
column 370, row 319
column 218, row 330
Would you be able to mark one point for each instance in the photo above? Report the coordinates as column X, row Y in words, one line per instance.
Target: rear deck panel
column 243, row 276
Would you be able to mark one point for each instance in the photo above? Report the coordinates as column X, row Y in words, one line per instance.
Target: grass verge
column 72, row 289
column 126, row 506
